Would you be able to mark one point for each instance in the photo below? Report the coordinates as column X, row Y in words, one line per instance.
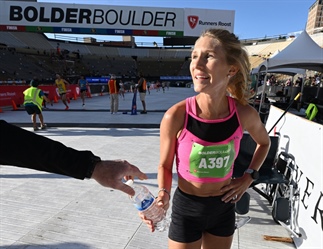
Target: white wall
column 304, row 139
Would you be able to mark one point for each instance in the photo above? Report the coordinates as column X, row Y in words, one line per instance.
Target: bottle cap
column 129, row 182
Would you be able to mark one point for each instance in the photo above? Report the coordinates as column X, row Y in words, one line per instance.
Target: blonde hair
column 237, row 56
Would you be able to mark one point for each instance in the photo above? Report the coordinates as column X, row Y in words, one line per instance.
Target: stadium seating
column 25, row 54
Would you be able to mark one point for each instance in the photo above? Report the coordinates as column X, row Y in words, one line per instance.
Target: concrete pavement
column 96, row 112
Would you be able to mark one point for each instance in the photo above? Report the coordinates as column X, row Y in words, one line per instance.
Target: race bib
column 211, row 161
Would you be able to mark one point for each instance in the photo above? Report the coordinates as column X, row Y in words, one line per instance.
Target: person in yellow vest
column 142, row 88
column 114, row 94
column 61, row 86
column 33, row 100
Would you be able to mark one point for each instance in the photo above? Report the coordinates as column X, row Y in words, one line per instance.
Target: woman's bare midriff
column 202, row 189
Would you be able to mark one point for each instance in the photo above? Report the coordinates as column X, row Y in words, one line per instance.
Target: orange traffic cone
column 55, row 99
column 14, row 106
column 75, row 96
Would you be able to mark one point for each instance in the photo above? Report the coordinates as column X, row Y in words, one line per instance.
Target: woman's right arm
column 171, row 125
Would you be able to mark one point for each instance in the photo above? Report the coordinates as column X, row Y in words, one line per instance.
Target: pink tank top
column 206, row 149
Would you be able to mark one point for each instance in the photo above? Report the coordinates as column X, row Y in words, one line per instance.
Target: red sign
column 15, row 93
column 192, row 21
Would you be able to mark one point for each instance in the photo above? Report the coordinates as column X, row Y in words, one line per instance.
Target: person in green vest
column 33, row 100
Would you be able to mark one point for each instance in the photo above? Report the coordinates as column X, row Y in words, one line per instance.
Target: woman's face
column 208, row 67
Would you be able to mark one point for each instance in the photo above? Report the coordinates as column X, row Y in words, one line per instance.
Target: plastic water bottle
column 145, row 202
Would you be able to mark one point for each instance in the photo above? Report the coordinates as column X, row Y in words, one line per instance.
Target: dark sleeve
column 26, row 149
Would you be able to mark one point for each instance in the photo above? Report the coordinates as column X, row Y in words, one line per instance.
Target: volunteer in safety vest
column 114, row 94
column 33, row 101
column 142, row 87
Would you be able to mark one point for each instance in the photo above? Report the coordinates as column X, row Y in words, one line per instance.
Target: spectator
column 114, row 91
column 307, row 81
column 121, row 89
column 148, row 87
column 142, row 87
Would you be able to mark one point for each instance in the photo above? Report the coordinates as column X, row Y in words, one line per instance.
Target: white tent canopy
column 287, row 71
column 303, row 53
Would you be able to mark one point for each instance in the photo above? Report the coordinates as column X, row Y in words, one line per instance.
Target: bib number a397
column 211, row 161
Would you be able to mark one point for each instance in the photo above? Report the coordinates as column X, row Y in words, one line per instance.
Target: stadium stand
column 273, row 48
column 129, row 52
column 254, row 50
column 10, row 40
column 184, row 68
column 182, row 53
column 166, row 67
column 255, row 61
column 24, row 54
column 22, row 66
column 71, row 47
column 35, row 41
column 103, row 50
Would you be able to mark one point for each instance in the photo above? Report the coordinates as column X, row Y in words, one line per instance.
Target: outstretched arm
column 55, row 157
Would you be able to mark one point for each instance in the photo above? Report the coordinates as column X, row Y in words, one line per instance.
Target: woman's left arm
column 252, row 123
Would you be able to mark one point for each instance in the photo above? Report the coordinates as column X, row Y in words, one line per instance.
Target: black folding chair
column 269, row 175
column 276, row 180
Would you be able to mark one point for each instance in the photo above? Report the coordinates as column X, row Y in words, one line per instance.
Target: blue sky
column 253, row 18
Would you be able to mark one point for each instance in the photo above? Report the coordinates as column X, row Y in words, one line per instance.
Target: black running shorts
column 192, row 216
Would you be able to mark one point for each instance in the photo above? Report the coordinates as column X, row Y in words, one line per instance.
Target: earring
column 229, row 76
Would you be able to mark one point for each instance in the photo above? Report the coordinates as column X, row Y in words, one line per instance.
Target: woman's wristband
column 164, row 190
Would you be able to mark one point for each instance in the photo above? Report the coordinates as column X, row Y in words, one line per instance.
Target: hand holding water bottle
column 151, row 210
column 162, row 201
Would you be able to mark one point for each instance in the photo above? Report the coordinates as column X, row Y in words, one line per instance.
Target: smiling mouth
column 201, row 77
